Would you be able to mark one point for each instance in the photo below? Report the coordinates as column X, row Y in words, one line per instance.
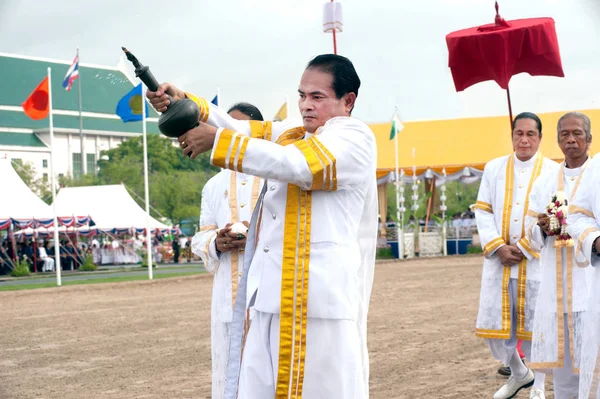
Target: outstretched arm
column 341, row 155
column 216, row 117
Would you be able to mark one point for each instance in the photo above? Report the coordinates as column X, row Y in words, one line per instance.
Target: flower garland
column 557, row 211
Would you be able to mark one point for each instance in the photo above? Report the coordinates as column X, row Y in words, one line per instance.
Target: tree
column 175, row 181
column 27, row 173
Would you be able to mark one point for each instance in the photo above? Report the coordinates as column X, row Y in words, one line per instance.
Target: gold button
column 243, row 205
column 243, row 182
column 520, row 186
column 518, row 203
column 514, row 237
column 522, row 170
column 516, row 220
column 240, row 274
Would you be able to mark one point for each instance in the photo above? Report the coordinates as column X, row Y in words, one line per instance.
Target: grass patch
column 19, row 287
column 21, row 269
column 471, row 249
column 88, row 265
column 385, row 253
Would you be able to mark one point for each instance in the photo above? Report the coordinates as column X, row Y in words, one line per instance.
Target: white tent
column 109, row 206
column 17, row 201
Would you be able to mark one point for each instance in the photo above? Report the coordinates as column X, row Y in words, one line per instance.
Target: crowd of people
column 39, row 255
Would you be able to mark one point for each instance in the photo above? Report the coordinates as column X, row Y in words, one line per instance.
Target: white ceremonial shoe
column 537, row 393
column 514, row 385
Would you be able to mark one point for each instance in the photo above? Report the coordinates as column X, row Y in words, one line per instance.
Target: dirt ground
column 152, row 339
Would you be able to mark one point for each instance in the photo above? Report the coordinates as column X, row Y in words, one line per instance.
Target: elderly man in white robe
column 228, row 199
column 308, row 335
column 511, row 271
column 583, row 225
column 563, row 290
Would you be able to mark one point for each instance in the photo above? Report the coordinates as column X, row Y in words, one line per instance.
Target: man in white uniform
column 308, row 336
column 43, row 255
column 227, row 198
column 511, row 271
column 563, row 290
column 584, row 226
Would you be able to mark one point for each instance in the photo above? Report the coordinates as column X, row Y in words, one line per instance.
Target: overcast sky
column 255, row 50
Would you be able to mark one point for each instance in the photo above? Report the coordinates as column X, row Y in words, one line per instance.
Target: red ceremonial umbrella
column 500, row 50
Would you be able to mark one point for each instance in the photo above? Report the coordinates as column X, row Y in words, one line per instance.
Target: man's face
column 318, row 102
column 525, row 139
column 571, row 138
column 235, row 114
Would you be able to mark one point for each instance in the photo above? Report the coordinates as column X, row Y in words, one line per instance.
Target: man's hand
column 223, row 241
column 198, row 140
column 238, row 240
column 509, row 255
column 596, row 246
column 159, row 100
column 544, row 222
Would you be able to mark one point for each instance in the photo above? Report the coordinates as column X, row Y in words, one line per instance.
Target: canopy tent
column 111, row 207
column 21, row 206
column 456, row 144
column 87, row 231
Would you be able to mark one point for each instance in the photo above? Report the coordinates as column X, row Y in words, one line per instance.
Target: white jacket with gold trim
column 500, row 212
column 584, row 226
column 228, row 197
column 317, row 232
column 563, row 291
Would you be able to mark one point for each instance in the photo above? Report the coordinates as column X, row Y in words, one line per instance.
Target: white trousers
column 220, row 334
column 332, row 367
column 566, row 383
column 48, row 265
column 503, row 349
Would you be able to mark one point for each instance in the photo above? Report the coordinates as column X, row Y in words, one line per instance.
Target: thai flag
column 72, row 74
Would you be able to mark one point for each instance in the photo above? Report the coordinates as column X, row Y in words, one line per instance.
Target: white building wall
column 65, row 145
column 28, row 154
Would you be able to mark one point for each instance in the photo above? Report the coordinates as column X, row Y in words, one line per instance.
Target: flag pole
column 83, row 158
column 218, row 96
column 399, row 223
column 146, row 190
column 53, row 182
column 334, row 39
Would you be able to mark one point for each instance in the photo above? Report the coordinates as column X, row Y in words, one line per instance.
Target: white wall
column 65, row 145
column 28, row 154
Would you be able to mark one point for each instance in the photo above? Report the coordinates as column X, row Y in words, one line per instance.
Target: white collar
column 527, row 164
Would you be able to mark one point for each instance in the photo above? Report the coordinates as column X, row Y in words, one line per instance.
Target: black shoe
column 505, row 371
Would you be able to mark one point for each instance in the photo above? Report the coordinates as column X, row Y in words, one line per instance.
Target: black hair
column 345, row 78
column 528, row 115
column 249, row 110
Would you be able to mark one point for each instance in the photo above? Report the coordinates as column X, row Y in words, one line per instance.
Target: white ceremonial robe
column 584, row 226
column 48, row 261
column 563, row 289
column 315, row 278
column 228, row 197
column 508, row 294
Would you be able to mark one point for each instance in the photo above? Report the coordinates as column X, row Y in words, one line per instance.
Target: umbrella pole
column 509, row 107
